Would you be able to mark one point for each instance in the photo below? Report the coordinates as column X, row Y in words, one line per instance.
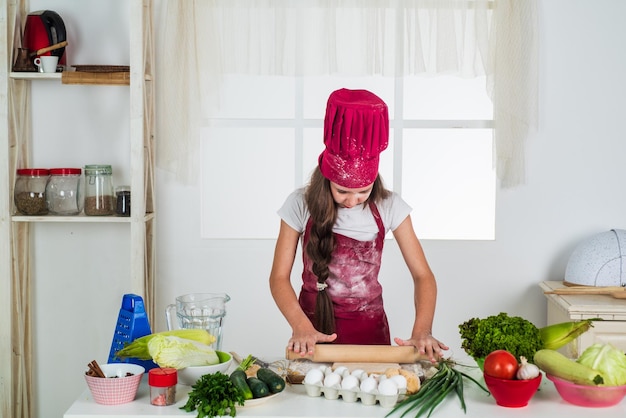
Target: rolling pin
column 348, row 353
column 615, row 291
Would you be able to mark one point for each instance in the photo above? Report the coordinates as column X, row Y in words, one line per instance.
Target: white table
column 294, row 402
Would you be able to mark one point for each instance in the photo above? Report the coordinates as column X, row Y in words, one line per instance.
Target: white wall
column 574, row 188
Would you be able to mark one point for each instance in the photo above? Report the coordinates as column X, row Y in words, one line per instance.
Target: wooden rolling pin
column 615, row 291
column 348, row 353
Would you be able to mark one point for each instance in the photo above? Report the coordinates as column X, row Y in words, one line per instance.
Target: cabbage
column 176, row 352
column 609, row 361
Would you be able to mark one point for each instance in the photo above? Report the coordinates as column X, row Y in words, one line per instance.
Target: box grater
column 132, row 323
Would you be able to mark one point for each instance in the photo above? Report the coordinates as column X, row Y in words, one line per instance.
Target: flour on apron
column 353, row 287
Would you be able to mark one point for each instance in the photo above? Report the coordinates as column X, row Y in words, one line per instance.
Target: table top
column 294, row 402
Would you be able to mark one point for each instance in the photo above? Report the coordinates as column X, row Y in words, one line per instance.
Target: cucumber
column 239, row 379
column 273, row 381
column 554, row 363
column 258, row 387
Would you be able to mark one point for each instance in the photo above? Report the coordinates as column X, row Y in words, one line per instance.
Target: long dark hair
column 323, row 210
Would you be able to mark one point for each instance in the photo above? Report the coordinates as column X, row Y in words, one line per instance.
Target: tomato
column 501, row 364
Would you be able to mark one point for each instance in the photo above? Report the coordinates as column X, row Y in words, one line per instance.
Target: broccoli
column 517, row 335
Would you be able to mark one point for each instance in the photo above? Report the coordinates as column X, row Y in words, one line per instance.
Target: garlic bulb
column 526, row 370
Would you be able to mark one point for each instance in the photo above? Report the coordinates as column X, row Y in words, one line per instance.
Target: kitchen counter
column 294, row 402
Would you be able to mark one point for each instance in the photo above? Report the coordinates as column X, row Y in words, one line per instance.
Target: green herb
column 447, row 380
column 214, row 395
column 520, row 337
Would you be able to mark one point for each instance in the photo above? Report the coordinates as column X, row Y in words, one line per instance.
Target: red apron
column 352, row 286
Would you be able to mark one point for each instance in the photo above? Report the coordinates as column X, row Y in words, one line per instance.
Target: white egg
column 314, row 377
column 388, row 387
column 399, row 380
column 332, row 380
column 359, row 374
column 350, row 383
column 326, row 370
column 369, row 385
column 340, row 370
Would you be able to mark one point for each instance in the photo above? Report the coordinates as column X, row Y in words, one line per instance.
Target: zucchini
column 556, row 364
column 258, row 387
column 239, row 379
column 273, row 381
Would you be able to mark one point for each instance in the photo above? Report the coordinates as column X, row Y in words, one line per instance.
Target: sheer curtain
column 205, row 39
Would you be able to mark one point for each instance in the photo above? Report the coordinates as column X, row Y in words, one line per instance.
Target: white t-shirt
column 356, row 222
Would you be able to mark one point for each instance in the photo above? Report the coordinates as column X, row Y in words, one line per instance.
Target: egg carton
column 347, row 395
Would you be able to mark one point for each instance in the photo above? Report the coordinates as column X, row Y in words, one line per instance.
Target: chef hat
column 356, row 131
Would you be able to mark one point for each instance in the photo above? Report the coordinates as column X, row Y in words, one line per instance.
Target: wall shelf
column 84, row 78
column 16, row 330
column 79, row 219
column 34, row 76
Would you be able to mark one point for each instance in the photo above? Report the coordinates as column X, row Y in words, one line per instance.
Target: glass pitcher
column 199, row 311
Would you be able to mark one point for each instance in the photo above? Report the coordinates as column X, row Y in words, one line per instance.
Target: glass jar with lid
column 64, row 191
column 99, row 195
column 162, row 382
column 122, row 194
column 29, row 193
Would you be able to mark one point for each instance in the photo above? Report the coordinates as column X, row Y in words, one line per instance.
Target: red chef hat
column 356, row 131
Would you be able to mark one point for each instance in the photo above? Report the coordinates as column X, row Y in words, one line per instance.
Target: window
column 266, row 69
column 265, row 139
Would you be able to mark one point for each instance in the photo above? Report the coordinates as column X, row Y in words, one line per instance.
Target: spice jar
column 99, row 198
column 64, row 192
column 29, row 194
column 122, row 194
column 162, row 386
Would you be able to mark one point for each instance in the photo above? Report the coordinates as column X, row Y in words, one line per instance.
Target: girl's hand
column 426, row 345
column 304, row 342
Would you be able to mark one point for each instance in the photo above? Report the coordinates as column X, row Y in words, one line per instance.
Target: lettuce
column 481, row 336
column 176, row 352
column 609, row 361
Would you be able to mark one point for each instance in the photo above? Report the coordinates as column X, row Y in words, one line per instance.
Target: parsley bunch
column 214, row 395
column 517, row 335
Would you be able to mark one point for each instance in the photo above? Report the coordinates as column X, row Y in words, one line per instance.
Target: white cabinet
column 612, row 311
column 16, row 237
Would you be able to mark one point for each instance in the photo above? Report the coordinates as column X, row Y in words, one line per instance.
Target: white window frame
column 228, row 222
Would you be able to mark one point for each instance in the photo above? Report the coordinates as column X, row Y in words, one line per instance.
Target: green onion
column 246, row 363
column 446, row 380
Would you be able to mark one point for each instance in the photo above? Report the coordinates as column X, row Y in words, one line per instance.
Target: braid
column 321, row 246
column 323, row 210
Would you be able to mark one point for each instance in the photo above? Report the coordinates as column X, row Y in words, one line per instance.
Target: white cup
column 47, row 63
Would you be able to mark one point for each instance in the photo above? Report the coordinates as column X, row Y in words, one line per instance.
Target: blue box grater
column 132, row 323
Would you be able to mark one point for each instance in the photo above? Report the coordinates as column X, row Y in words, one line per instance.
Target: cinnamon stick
column 94, row 367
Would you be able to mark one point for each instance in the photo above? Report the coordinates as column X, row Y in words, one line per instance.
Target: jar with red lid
column 162, row 382
column 64, row 191
column 29, row 193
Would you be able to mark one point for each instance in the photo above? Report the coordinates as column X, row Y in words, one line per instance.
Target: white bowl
column 119, row 386
column 190, row 375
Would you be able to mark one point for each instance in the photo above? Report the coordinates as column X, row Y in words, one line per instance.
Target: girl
column 342, row 217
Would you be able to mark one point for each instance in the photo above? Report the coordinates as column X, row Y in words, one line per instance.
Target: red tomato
column 501, row 364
